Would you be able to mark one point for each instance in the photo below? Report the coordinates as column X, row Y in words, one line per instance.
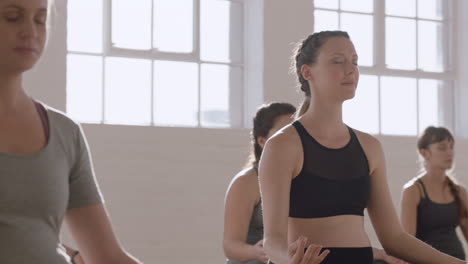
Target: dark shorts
column 361, row 255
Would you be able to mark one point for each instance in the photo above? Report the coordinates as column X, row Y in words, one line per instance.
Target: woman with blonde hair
column 46, row 174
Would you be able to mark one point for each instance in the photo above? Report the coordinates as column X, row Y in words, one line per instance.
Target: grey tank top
column 436, row 225
column 255, row 232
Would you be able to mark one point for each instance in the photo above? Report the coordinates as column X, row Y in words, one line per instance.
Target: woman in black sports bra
column 432, row 204
column 318, row 175
column 243, row 223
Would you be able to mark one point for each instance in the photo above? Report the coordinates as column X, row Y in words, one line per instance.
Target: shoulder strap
column 352, row 133
column 255, row 167
column 300, row 128
column 44, row 118
column 423, row 188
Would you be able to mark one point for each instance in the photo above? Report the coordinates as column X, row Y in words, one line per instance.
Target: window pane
column 398, row 104
column 431, row 9
column 173, row 25
column 84, row 88
column 430, row 46
column 400, row 43
column 428, row 103
column 401, row 7
column 325, row 20
column 215, row 81
column 236, row 97
column 332, row 4
column 362, row 112
column 131, row 24
column 360, row 29
column 175, row 104
column 85, row 35
column 128, row 91
column 221, row 40
column 366, row 6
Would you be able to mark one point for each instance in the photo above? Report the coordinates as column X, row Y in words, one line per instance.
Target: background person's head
column 267, row 121
column 326, row 66
column 436, row 148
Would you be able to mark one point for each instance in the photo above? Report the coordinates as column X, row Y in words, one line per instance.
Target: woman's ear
column 261, row 141
column 306, row 72
column 425, row 153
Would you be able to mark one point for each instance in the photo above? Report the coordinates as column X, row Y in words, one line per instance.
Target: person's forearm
column 464, row 229
column 128, row 259
column 377, row 253
column 276, row 247
column 120, row 257
column 239, row 251
column 408, row 248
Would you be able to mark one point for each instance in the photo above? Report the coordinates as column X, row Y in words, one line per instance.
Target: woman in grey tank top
column 243, row 225
column 432, row 204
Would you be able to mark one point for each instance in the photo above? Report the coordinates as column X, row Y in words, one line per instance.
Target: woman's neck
column 435, row 175
column 12, row 95
column 328, row 118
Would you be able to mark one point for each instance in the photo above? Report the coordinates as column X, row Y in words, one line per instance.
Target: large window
column 406, row 72
column 156, row 62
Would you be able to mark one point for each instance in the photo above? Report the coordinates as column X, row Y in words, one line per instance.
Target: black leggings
column 362, row 255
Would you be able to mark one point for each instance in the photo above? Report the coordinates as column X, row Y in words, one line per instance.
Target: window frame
column 243, row 101
column 449, row 76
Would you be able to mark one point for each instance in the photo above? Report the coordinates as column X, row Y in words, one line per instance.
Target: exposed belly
column 335, row 231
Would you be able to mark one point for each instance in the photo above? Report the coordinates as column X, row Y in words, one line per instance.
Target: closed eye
column 12, row 17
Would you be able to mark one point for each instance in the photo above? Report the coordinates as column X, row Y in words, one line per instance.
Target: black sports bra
column 332, row 181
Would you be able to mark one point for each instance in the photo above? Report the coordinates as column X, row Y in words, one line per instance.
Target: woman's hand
column 311, row 256
column 259, row 252
column 380, row 254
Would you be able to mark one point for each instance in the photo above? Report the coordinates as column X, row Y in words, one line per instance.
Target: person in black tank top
column 432, row 204
column 318, row 175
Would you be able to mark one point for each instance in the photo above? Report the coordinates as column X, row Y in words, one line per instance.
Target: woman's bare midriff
column 334, row 231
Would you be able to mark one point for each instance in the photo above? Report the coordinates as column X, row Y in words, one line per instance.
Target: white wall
column 165, row 187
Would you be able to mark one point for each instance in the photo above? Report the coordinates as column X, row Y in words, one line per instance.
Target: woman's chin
column 23, row 67
column 348, row 96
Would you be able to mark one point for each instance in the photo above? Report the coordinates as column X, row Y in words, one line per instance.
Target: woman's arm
column 277, row 167
column 281, row 160
column 241, row 198
column 409, row 208
column 393, row 238
column 464, row 221
column 91, row 229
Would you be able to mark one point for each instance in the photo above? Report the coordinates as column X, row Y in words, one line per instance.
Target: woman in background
column 243, row 223
column 433, row 205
